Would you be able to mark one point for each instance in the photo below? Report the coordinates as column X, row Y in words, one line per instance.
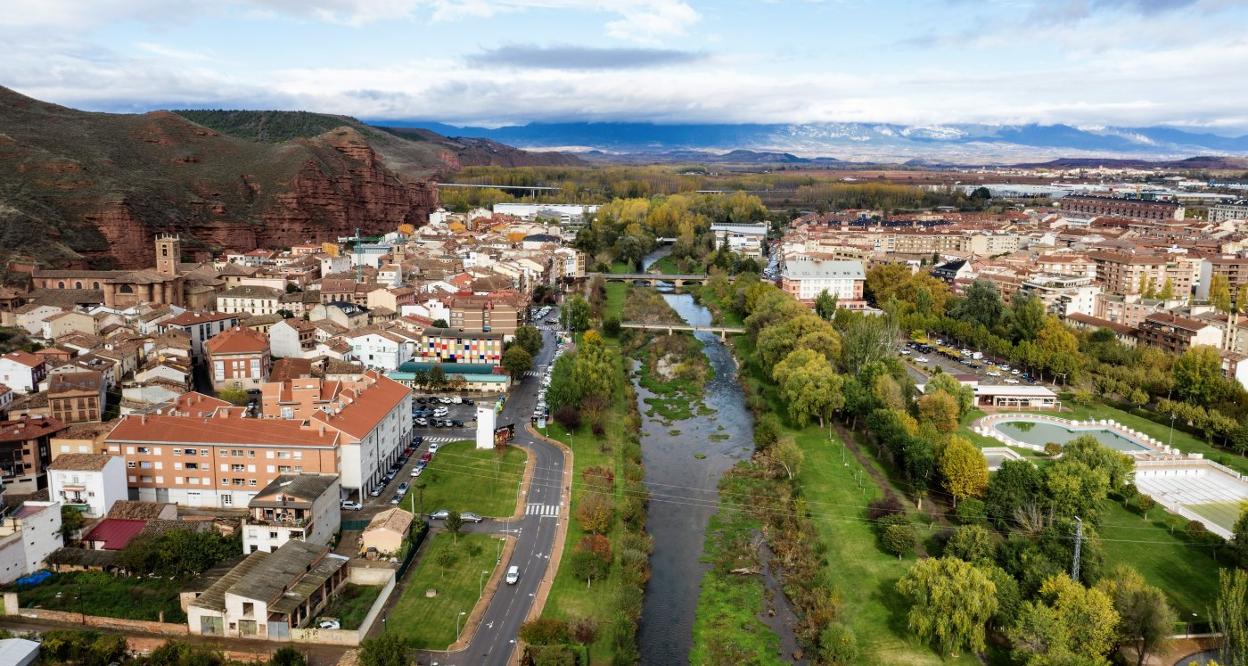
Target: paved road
column 495, row 639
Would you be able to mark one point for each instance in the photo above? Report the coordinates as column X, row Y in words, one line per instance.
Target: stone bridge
column 722, row 331
column 652, row 279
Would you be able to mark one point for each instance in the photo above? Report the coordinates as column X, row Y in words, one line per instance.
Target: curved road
column 546, row 505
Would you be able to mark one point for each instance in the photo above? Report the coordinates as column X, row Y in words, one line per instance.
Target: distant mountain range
column 882, row 142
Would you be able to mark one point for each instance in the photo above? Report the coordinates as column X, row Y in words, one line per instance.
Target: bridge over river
column 721, row 331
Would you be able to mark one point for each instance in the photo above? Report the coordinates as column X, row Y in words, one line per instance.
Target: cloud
column 581, row 57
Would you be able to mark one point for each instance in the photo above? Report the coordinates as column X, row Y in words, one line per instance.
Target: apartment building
column 1125, row 310
column 300, row 507
column 200, row 327
column 25, row 451
column 385, row 350
column 292, row 338
column 239, row 358
column 1062, row 295
column 746, row 239
column 91, row 480
column 1127, row 273
column 450, row 345
column 1233, row 269
column 28, row 535
column 1136, row 209
column 220, row 459
column 1176, row 334
column 250, row 299
column 485, row 313
column 77, row 397
column 805, row 279
column 22, row 371
column 1074, row 265
column 1237, row 211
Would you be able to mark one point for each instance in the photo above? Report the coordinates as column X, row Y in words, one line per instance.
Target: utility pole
column 1074, row 567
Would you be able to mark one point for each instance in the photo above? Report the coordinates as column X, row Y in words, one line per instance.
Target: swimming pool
column 1039, row 433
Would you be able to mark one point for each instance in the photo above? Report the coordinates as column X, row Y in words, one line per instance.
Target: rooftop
column 293, row 490
column 116, row 533
column 220, row 430
column 80, row 462
column 237, row 340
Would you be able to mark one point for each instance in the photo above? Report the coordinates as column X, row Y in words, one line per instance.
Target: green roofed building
column 476, row 376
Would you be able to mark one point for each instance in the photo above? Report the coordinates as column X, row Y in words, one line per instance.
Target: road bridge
column 653, row 279
column 722, row 331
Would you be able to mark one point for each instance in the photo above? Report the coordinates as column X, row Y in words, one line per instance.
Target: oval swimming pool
column 1040, row 433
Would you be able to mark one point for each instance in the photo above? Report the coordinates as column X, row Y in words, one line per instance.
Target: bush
column 884, row 506
column 611, row 327
column 549, row 655
column 766, row 431
column 970, row 511
column 899, row 540
column 600, row 478
column 1052, row 449
column 595, row 513
column 838, row 645
column 569, row 417
column 545, row 631
column 584, row 630
column 1196, row 530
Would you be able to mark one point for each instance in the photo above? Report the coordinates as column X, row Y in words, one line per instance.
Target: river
column 682, row 474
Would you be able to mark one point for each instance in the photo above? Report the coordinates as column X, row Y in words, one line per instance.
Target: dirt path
column 881, row 481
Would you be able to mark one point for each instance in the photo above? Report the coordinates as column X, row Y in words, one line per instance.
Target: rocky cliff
column 92, row 189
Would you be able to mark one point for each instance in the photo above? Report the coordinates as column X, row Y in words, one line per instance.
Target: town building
column 1231, row 268
column 268, row 594
column 251, row 300
column 200, row 327
column 383, row 350
column 1061, row 294
column 450, row 345
column 1017, row 396
column 462, row 376
column 25, row 451
column 77, row 397
column 805, row 279
column 22, row 371
column 163, row 285
column 238, row 358
column 486, row 314
column 746, row 239
column 1136, row 209
column 387, row 531
column 1228, row 212
column 92, row 481
column 27, row 536
column 1176, row 334
column 293, row 507
column 292, row 338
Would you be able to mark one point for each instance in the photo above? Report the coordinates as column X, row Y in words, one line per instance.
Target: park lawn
column 463, row 478
column 621, row 267
column 98, row 593
column 617, row 294
column 1184, row 441
column 352, row 604
column 429, row 623
column 1185, row 571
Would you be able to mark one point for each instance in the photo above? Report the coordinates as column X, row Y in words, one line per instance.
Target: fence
column 414, row 540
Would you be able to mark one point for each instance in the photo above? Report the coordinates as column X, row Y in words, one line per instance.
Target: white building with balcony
column 293, row 507
column 95, row 480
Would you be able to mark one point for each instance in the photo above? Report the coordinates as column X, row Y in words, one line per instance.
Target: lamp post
column 457, row 617
column 481, row 583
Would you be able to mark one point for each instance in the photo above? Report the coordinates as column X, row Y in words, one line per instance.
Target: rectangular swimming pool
column 1039, row 434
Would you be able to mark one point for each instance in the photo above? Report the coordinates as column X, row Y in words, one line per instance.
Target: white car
column 351, row 506
column 1011, row 380
column 513, row 575
column 417, row 471
column 433, row 447
column 994, row 373
column 920, row 359
column 329, row 624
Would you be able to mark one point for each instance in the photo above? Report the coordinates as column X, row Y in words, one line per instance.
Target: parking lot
column 926, row 357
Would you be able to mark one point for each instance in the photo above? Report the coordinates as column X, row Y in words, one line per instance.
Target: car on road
column 920, row 359
column 403, row 488
column 398, row 497
column 433, row 447
column 467, row 401
column 1011, row 380
column 376, row 491
column 417, row 471
column 422, row 421
column 418, row 440
column 348, row 505
column 456, row 423
column 994, row 373
column 426, row 457
column 470, row 517
column 440, row 514
column 513, row 575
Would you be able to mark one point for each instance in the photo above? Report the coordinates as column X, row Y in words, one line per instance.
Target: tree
column 1058, row 349
column 595, row 512
column 1198, row 375
column 899, row 538
column 1027, row 316
column 437, row 377
column 940, row 409
column 1075, row 489
column 980, row 304
column 454, row 523
column 1145, row 618
column 950, row 602
column 1145, row 503
column 1220, row 293
column 972, row 543
column 1167, row 290
column 788, row 455
column 574, row 316
column 825, row 305
column 445, row 559
column 517, row 361
column 71, row 522
column 947, row 383
column 964, row 468
column 767, row 430
column 440, row 323
column 588, row 566
column 234, row 396
column 529, row 338
column 386, row 649
column 1066, row 620
column 866, row 340
column 838, row 645
column 1230, row 615
column 809, row 386
column 1118, row 467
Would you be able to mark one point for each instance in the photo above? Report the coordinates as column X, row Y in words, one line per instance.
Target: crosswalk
column 532, row 373
column 443, row 438
column 543, row 510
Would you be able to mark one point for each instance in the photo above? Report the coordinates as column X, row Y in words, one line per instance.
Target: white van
column 513, row 575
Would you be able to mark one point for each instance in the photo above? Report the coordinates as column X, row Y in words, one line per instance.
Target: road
column 495, row 639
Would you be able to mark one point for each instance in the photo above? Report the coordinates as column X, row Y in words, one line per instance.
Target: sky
column 1087, row 63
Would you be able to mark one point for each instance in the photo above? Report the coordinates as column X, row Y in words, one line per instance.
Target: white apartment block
column 92, row 479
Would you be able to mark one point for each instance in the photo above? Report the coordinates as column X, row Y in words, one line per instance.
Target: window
column 251, row 482
column 192, row 465
column 227, row 500
column 238, row 468
column 144, row 449
column 202, row 452
column 130, row 464
column 190, row 452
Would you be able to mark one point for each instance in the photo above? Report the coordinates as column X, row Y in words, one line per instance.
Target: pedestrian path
column 446, row 438
column 543, row 510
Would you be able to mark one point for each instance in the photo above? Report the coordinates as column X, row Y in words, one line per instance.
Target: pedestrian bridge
column 653, row 279
column 721, row 331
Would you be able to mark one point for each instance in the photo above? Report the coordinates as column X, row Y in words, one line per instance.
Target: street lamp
column 461, row 614
column 481, row 584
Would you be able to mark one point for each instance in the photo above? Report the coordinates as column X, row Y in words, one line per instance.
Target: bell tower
column 168, row 254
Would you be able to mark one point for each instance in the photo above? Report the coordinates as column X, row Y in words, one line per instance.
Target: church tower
column 168, row 254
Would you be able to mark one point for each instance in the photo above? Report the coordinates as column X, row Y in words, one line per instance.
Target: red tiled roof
column 25, row 358
column 370, row 402
column 194, row 403
column 220, row 430
column 237, row 340
column 191, row 318
column 116, row 533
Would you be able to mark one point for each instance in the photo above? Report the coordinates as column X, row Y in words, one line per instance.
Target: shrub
column 766, row 431
column 1052, row 449
column 549, row 655
column 544, row 631
column 838, row 645
column 899, row 540
column 611, row 327
column 1195, row 529
column 583, row 630
column 972, row 543
column 884, row 506
column 598, row 477
column 569, row 417
column 970, row 511
column 595, row 512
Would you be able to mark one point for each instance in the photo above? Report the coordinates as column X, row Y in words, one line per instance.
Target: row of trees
column 92, row 648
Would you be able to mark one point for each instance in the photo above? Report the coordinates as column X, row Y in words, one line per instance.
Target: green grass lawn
column 98, row 593
column 617, row 294
column 429, row 623
column 1185, row 442
column 1185, row 571
column 352, row 604
column 1222, row 513
column 462, row 478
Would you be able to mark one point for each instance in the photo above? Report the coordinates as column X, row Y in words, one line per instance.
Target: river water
column 683, row 493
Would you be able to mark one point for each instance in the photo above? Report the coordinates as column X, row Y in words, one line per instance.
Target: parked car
column 417, row 471
column 422, row 421
column 470, row 517
column 456, row 423
column 398, row 497
column 440, row 514
column 433, row 447
column 513, row 575
column 426, row 457
column 348, row 505
column 329, row 624
column 1011, row 380
column 418, row 440
column 376, row 491
column 920, row 359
